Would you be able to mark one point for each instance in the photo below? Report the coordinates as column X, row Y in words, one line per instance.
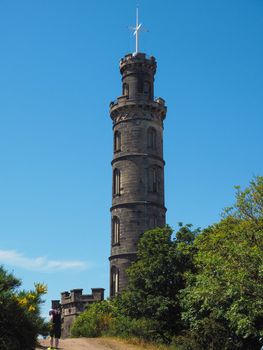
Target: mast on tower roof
column 137, row 29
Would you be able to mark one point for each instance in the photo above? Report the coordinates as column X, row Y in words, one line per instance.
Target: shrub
column 208, row 334
column 127, row 327
column 95, row 321
column 20, row 321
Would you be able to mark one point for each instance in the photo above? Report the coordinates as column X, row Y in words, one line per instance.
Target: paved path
column 91, row 344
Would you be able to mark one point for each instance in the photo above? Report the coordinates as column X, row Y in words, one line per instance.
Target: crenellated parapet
column 124, row 109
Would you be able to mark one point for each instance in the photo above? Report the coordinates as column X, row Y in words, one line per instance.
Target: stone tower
column 137, row 165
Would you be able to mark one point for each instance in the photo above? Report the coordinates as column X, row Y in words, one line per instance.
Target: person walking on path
column 55, row 328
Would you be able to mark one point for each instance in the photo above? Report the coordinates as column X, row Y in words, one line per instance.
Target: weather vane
column 137, row 29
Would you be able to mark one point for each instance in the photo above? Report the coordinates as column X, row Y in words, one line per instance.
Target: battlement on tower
column 124, row 108
column 138, row 59
column 75, row 295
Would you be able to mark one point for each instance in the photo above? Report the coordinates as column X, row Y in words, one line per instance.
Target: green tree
column 227, row 288
column 249, row 202
column 20, row 321
column 156, row 278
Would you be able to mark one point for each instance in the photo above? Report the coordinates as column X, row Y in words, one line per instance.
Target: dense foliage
column 95, row 320
column 227, row 287
column 156, row 278
column 203, row 289
column 20, row 321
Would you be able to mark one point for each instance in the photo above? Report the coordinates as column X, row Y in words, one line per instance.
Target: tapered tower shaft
column 137, row 165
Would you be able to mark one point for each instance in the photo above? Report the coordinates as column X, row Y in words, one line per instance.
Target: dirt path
column 91, row 344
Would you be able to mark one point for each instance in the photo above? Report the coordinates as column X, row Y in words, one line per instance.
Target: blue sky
column 59, row 71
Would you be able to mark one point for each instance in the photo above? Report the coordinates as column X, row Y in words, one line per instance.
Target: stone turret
column 137, row 165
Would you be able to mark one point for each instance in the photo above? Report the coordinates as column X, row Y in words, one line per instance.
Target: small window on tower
column 117, row 141
column 154, row 221
column 125, row 90
column 116, row 182
column 151, row 138
column 115, row 230
column 153, row 180
column 114, row 286
column 146, row 87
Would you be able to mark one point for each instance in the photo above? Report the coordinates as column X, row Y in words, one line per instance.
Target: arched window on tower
column 154, row 221
column 116, row 182
column 125, row 89
column 117, row 141
column 115, row 230
column 114, row 285
column 153, row 180
column 146, row 88
column 151, row 138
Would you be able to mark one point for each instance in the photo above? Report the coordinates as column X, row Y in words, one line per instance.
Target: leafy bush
column 210, row 334
column 95, row 321
column 20, row 321
column 127, row 327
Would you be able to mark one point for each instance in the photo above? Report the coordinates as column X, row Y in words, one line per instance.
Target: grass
column 141, row 343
